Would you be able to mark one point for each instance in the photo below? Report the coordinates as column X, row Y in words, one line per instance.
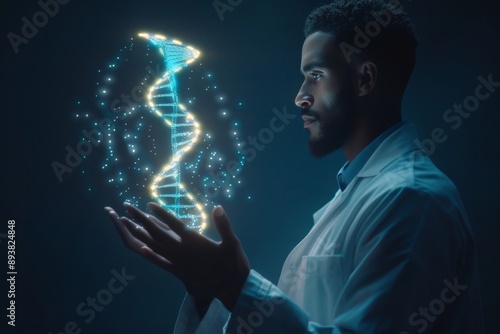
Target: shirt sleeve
column 188, row 321
column 409, row 275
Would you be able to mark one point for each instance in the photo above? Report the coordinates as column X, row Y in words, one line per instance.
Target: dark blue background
column 66, row 247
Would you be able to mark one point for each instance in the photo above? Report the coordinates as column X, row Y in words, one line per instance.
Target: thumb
column 223, row 225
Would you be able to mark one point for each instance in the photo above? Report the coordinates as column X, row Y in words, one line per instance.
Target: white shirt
column 392, row 253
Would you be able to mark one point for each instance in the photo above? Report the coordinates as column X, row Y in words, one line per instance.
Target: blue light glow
column 163, row 100
column 155, row 149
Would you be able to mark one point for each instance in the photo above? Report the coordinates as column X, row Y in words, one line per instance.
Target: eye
column 315, row 76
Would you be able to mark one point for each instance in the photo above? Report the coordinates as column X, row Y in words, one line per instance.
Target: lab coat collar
column 402, row 141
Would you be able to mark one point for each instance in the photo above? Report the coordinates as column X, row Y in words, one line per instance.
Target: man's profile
column 392, row 252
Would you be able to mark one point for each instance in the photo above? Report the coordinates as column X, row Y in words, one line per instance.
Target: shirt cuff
column 257, row 293
column 262, row 307
column 188, row 321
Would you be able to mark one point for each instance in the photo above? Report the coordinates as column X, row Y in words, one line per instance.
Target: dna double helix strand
column 167, row 187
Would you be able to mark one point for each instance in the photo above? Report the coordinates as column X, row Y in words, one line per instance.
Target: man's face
column 326, row 96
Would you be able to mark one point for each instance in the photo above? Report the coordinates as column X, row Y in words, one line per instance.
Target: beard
column 336, row 125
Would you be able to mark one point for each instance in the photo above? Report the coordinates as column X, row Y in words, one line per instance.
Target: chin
column 320, row 148
column 321, row 145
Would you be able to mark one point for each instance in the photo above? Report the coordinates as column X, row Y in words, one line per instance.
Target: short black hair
column 392, row 46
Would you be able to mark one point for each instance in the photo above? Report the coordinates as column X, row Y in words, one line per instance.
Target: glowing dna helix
column 167, row 188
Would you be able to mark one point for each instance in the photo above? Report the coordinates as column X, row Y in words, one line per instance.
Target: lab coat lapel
column 402, row 141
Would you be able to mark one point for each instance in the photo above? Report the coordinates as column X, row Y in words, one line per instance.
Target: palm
column 208, row 269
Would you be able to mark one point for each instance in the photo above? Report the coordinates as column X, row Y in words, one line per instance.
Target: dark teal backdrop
column 68, row 251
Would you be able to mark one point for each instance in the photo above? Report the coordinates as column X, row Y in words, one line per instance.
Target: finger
column 157, row 259
column 169, row 219
column 166, row 243
column 129, row 240
column 137, row 230
column 224, row 226
column 160, row 223
column 139, row 215
column 143, row 235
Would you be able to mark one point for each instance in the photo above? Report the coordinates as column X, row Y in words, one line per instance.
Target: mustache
column 311, row 113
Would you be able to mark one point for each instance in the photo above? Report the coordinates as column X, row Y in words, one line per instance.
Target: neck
column 366, row 131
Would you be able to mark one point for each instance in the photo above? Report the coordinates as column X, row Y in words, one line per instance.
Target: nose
column 304, row 100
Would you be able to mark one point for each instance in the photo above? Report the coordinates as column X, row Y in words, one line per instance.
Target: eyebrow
column 312, row 65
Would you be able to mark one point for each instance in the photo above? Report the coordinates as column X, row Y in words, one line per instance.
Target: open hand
column 207, row 268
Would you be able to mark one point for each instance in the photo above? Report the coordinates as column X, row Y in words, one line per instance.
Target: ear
column 367, row 78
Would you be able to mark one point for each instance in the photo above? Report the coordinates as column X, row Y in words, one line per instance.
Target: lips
column 308, row 120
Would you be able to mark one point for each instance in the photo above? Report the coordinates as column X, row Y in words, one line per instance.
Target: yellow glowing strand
column 172, row 167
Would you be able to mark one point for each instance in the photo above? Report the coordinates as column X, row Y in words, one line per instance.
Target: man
column 392, row 252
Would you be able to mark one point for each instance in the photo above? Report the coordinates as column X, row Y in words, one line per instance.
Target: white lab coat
column 392, row 253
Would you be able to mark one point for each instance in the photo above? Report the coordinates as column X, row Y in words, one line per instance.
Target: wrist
column 202, row 302
column 229, row 296
column 202, row 308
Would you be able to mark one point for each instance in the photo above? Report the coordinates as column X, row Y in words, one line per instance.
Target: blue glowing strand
column 167, row 187
column 136, row 144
